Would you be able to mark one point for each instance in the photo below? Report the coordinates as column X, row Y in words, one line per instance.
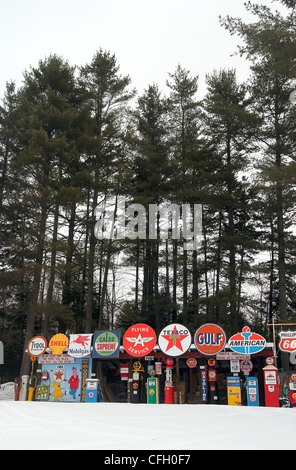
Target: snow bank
column 136, row 427
column 114, row 426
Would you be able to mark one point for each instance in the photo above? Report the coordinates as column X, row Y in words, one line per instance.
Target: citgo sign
column 210, row 339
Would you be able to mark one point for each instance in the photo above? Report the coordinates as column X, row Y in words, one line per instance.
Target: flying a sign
column 139, row 340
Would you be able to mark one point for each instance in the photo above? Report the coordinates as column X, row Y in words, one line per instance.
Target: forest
column 74, row 137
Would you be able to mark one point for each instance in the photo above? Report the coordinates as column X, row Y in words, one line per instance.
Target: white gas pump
column 24, row 388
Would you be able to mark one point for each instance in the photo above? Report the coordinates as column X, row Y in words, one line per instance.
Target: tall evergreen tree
column 270, row 43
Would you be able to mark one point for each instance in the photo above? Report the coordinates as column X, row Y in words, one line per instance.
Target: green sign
column 106, row 344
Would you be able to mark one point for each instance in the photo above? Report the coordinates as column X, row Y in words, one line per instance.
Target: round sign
column 269, row 360
column 209, row 339
column 211, row 362
column 191, row 362
column 169, row 362
column 106, row 343
column 174, row 340
column 246, row 366
column 139, row 340
column 37, row 346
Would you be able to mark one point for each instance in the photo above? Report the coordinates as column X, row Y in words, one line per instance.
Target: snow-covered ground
column 136, row 427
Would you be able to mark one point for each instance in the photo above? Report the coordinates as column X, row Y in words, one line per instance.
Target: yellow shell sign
column 58, row 343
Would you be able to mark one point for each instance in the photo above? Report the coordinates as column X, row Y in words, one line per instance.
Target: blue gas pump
column 92, row 386
column 252, row 391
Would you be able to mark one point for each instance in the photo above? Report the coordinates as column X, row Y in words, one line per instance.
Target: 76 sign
column 287, row 341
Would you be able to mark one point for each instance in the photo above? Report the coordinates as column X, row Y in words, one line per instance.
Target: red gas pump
column 169, row 388
column 17, row 388
column 271, row 386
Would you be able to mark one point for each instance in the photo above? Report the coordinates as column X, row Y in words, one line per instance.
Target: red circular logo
column 139, row 340
column 210, row 339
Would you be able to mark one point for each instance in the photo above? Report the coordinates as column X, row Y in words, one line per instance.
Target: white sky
column 148, row 37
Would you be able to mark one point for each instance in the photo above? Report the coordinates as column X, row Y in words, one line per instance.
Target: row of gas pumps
column 235, row 385
column 25, row 387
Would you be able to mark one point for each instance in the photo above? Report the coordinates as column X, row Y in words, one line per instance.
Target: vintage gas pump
column 169, row 387
column 212, row 378
column 136, row 384
column 292, row 390
column 32, row 387
column 203, row 384
column 252, row 391
column 17, row 388
column 271, row 386
column 152, row 388
column 234, row 395
column 24, row 388
column 91, row 390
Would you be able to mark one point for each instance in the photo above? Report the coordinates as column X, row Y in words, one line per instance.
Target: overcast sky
column 148, row 37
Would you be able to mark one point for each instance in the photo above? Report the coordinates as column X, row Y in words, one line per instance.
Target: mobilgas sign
column 247, row 342
column 209, row 339
column 79, row 345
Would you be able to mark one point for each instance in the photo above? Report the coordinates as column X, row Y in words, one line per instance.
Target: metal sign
column 106, row 344
column 247, row 342
column 174, row 340
column 287, row 341
column 58, row 343
column 37, row 346
column 139, row 340
column 191, row 362
column 79, row 345
column 209, row 339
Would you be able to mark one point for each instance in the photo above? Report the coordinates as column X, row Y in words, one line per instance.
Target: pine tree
column 271, row 46
column 230, row 127
column 107, row 94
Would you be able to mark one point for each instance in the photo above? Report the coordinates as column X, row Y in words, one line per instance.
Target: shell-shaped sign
column 58, row 343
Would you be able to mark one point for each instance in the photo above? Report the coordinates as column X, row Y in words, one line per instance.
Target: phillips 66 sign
column 287, row 341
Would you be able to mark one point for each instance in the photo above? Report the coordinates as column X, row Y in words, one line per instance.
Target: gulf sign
column 209, row 339
column 247, row 342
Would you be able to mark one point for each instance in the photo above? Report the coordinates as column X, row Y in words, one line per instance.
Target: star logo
column 174, row 339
